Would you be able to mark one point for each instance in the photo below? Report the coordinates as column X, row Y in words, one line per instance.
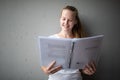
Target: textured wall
column 21, row 21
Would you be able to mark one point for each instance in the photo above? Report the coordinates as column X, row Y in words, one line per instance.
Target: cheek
column 61, row 22
column 71, row 24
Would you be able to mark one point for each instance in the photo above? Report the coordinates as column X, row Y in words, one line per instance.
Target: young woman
column 70, row 28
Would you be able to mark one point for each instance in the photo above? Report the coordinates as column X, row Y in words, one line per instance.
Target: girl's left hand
column 89, row 69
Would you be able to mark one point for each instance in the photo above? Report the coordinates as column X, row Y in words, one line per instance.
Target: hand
column 50, row 69
column 89, row 69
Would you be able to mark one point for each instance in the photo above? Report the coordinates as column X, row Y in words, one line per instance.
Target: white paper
column 86, row 50
column 70, row 53
column 54, row 49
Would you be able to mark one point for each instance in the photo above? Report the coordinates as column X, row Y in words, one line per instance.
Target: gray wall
column 21, row 21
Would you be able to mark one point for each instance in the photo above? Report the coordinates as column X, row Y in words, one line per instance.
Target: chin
column 66, row 30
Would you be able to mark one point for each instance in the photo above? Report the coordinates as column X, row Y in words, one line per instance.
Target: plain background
column 21, row 21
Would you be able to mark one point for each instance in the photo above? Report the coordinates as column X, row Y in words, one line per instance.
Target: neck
column 64, row 34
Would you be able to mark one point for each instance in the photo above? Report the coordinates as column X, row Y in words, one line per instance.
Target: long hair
column 77, row 30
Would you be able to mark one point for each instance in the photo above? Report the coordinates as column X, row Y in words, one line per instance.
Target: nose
column 66, row 22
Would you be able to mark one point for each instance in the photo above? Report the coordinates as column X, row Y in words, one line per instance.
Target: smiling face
column 67, row 20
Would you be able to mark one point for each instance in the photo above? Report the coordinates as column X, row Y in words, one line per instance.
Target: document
column 70, row 53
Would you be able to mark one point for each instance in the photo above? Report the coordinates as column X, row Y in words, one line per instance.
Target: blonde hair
column 77, row 30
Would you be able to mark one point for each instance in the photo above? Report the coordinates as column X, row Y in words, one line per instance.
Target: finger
column 43, row 68
column 89, row 68
column 86, row 71
column 55, row 69
column 93, row 66
column 51, row 65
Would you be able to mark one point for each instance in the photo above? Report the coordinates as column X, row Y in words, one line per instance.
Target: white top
column 65, row 74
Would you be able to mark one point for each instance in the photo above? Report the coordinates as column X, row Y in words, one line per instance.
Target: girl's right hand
column 50, row 69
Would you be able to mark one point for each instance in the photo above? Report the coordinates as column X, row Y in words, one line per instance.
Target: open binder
column 70, row 53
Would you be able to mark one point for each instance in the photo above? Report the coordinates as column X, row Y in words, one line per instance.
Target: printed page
column 55, row 49
column 85, row 51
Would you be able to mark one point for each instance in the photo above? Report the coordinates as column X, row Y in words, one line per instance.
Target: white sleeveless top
column 65, row 74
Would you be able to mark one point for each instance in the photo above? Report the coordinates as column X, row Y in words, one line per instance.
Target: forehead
column 68, row 13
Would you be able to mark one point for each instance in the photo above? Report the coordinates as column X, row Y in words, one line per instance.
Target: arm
column 50, row 69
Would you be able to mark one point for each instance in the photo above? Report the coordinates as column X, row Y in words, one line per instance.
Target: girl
column 70, row 28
